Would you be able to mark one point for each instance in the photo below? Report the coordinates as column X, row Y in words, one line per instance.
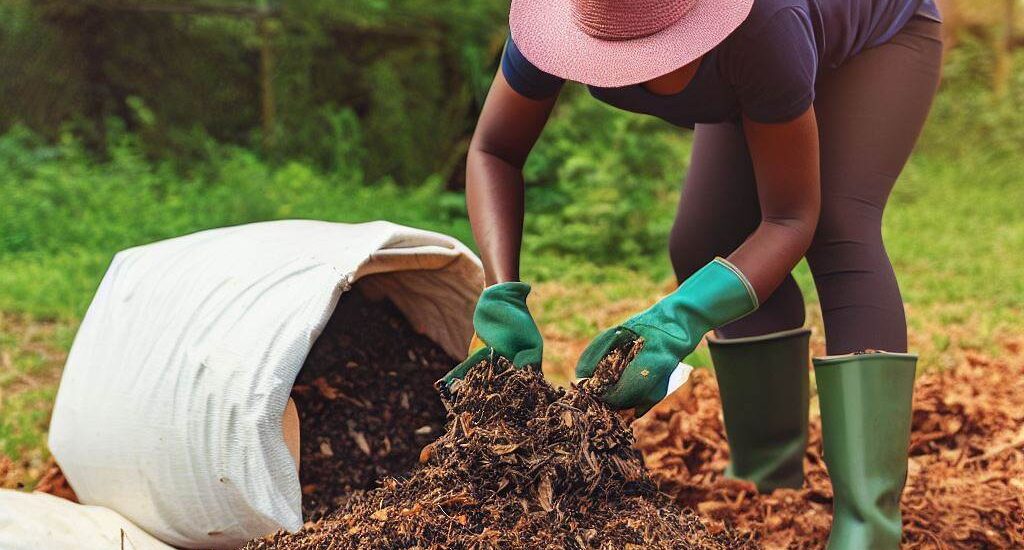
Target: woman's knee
column 860, row 298
column 846, row 236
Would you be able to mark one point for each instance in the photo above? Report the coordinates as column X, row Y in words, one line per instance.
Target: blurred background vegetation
column 128, row 121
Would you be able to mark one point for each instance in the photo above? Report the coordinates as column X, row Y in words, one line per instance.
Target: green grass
column 956, row 231
column 31, row 355
column 64, row 215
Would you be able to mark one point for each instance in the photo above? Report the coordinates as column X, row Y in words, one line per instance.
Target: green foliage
column 967, row 113
column 65, row 214
column 24, row 423
column 411, row 71
column 604, row 185
column 955, row 230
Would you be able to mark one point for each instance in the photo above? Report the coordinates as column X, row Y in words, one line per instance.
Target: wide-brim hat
column 613, row 43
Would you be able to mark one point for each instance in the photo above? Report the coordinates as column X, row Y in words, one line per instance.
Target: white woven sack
column 30, row 521
column 169, row 409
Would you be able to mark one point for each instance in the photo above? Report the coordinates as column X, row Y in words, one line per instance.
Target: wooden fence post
column 268, row 107
column 1003, row 73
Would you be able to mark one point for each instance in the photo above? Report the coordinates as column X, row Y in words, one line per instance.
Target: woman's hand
column 715, row 295
column 504, row 328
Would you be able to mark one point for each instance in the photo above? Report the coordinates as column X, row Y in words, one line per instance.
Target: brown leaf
column 426, row 453
column 325, row 389
column 545, row 493
column 504, row 449
column 412, row 511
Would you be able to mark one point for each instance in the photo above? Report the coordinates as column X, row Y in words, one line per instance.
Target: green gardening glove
column 715, row 295
column 504, row 327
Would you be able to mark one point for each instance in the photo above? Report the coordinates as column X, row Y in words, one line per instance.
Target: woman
column 805, row 112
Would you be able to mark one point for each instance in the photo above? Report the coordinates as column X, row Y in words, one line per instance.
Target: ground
column 965, row 484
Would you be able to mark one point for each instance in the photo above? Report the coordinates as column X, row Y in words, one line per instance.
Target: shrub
column 603, row 184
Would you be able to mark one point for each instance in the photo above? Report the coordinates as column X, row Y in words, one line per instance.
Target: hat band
column 625, row 20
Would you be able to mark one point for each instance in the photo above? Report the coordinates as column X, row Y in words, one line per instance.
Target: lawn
column 953, row 228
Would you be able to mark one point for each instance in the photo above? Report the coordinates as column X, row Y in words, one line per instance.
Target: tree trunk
column 268, row 108
column 1003, row 73
column 82, row 29
column 952, row 20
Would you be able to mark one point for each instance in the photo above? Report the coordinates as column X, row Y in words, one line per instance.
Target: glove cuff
column 512, row 292
column 717, row 294
column 751, row 294
column 503, row 322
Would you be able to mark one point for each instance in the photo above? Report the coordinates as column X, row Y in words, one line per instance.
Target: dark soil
column 520, row 465
column 366, row 402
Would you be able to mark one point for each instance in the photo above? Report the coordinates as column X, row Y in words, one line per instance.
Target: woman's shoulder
column 771, row 61
column 773, row 25
column 765, row 15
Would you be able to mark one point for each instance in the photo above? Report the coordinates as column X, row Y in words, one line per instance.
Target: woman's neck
column 675, row 81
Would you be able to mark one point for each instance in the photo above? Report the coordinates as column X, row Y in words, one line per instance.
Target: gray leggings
column 870, row 112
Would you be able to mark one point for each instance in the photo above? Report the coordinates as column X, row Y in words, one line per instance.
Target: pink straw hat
column 612, row 43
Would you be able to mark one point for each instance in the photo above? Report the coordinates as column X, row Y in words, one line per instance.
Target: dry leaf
column 324, row 388
column 545, row 493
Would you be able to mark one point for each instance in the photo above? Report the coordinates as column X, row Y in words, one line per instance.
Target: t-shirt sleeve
column 524, row 77
column 773, row 68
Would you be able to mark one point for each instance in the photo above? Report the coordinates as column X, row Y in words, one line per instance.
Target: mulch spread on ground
column 54, row 482
column 966, row 476
column 520, row 465
column 366, row 402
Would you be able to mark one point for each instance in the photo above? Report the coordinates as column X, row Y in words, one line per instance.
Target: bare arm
column 786, row 166
column 505, row 133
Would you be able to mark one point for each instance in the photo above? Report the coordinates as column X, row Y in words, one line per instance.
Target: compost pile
column 520, row 465
column 366, row 402
column 966, row 474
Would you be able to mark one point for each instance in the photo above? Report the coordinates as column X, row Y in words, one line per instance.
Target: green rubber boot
column 764, row 385
column 865, row 426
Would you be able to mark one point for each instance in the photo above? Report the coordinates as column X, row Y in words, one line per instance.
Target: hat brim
column 546, row 34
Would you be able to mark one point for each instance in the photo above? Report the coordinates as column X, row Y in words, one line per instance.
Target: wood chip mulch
column 966, row 473
column 521, row 465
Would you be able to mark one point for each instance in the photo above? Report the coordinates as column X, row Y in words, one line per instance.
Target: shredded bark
column 8, row 474
column 54, row 482
column 520, row 465
column 966, row 472
column 610, row 369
